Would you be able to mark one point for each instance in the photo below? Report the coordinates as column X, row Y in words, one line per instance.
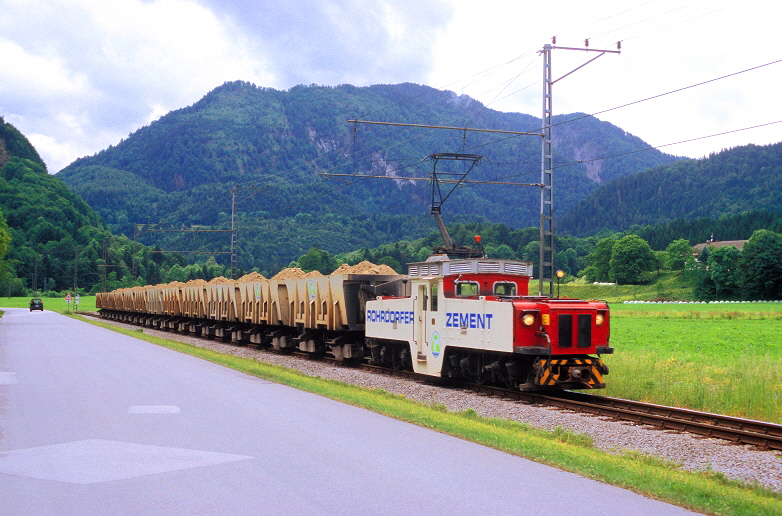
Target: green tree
column 5, row 238
column 661, row 257
column 723, row 268
column 391, row 262
column 632, row 260
column 761, row 265
column 531, row 253
column 317, row 260
column 704, row 288
column 678, row 251
column 567, row 261
column 8, row 285
column 502, row 252
column 177, row 273
column 598, row 262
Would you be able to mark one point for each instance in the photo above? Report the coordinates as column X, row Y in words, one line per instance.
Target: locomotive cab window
column 505, row 289
column 467, row 289
column 434, row 298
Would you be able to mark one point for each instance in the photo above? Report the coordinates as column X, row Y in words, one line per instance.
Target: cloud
column 359, row 42
column 80, row 75
column 666, row 45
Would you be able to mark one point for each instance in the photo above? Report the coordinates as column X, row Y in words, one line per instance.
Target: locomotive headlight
column 599, row 319
column 528, row 320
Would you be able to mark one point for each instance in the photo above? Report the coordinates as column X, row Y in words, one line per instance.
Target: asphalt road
column 94, row 422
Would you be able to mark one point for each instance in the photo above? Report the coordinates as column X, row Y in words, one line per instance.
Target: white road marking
column 7, row 378
column 95, row 460
column 153, row 409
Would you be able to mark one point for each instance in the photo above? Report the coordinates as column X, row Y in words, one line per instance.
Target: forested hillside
column 13, row 144
column 57, row 242
column 743, row 179
column 180, row 169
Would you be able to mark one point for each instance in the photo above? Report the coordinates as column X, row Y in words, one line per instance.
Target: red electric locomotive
column 472, row 318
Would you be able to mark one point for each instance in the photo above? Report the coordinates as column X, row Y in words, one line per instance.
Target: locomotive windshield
column 505, row 289
column 467, row 289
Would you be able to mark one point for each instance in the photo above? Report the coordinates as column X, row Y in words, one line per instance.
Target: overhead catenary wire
column 678, row 8
column 672, row 143
column 645, row 149
column 510, row 81
column 672, row 25
column 643, row 100
column 488, row 71
column 646, row 99
column 342, row 159
column 676, row 90
column 484, row 73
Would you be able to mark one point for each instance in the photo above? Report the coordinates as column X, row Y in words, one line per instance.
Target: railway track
column 766, row 436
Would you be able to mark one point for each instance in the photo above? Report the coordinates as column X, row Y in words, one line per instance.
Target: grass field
column 57, row 304
column 717, row 358
column 668, row 286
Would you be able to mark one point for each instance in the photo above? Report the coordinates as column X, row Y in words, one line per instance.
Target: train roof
column 442, row 265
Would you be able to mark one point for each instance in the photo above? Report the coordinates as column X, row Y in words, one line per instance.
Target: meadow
column 723, row 358
column 56, row 304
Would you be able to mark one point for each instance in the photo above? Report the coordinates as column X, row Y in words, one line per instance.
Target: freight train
column 468, row 317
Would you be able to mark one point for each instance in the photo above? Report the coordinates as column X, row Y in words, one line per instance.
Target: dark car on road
column 36, row 304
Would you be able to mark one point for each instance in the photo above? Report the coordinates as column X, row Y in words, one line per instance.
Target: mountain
column 58, row 241
column 14, row 144
column 734, row 181
column 48, row 223
column 180, row 169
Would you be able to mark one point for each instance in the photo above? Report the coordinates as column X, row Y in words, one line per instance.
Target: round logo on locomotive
column 435, row 344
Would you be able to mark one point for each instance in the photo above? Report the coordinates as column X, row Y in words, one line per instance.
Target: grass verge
column 706, row 492
column 55, row 304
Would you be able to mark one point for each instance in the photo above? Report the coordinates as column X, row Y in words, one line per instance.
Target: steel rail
column 739, row 430
column 761, row 434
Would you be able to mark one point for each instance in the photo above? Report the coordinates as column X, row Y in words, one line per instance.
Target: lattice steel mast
column 546, row 268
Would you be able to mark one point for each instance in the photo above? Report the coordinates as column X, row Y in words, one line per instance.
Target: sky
column 77, row 76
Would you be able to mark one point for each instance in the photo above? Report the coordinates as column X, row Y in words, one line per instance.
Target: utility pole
column 139, row 229
column 75, row 269
column 105, row 265
column 235, row 226
column 233, row 232
column 547, row 180
column 546, row 269
column 35, row 274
